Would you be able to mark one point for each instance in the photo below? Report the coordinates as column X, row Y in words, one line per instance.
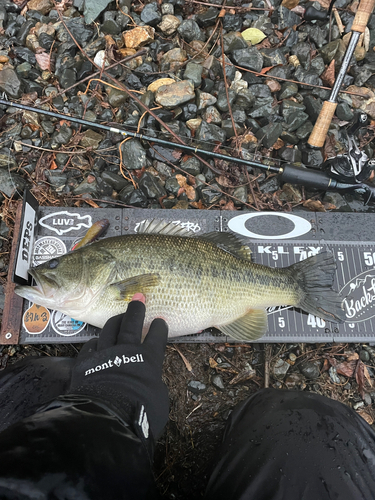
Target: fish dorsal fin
column 252, row 326
column 125, row 289
column 229, row 243
column 157, row 226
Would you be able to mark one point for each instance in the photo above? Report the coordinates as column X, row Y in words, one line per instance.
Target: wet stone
column 210, row 133
column 272, row 57
column 91, row 139
column 196, row 387
column 56, row 178
column 227, row 126
column 42, row 6
column 162, row 153
column 192, row 166
column 189, row 111
column 313, row 107
column 290, row 107
column 344, row 112
column 189, row 31
column 310, row 369
column 10, row 183
column 204, row 100
column 169, row 24
column 210, row 195
column 151, row 15
column 151, row 186
column 291, row 155
column 234, row 41
column 64, row 135
column 269, row 134
column 241, row 194
column 10, row 83
column 270, row 185
column 117, row 182
column 245, row 99
column 136, row 199
column 248, row 58
column 222, row 101
column 217, row 381
column 170, row 96
column 116, row 98
column 294, row 380
column 172, row 185
column 296, row 120
column 280, row 369
column 333, row 375
column 133, row 155
column 207, row 18
column 312, row 157
column 364, row 356
column 288, row 89
column 303, row 51
column 193, row 72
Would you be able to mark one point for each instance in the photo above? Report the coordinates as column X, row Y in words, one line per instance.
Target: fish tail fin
column 315, row 278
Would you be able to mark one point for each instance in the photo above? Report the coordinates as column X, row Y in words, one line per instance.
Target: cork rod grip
column 318, row 135
column 364, row 11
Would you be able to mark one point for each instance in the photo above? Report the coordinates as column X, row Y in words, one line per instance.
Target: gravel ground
column 193, row 65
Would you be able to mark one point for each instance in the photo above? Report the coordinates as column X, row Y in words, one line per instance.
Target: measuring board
column 276, row 240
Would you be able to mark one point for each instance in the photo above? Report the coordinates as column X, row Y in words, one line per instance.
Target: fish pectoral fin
column 142, row 283
column 252, row 326
column 230, row 243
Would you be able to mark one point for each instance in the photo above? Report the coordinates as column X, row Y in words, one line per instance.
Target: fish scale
column 192, row 282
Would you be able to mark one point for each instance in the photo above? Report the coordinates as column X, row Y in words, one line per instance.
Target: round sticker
column 36, row 319
column 66, row 326
column 46, row 248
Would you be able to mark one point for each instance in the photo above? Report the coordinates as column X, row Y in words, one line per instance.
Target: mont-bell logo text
column 359, row 298
column 118, row 361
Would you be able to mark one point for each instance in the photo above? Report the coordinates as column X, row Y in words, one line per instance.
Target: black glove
column 124, row 373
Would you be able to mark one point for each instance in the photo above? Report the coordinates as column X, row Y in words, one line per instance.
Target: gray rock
column 272, row 57
column 364, row 356
column 133, row 155
column 192, row 166
column 287, row 18
column 208, row 17
column 56, row 177
column 333, row 375
column 170, row 96
column 227, row 126
column 196, row 387
column 116, row 98
column 7, row 160
column 64, row 135
column 86, row 187
column 210, row 195
column 91, row 139
column 150, row 14
column 233, row 41
column 289, row 107
column 193, row 72
column 288, row 89
column 11, row 183
column 312, row 157
column 217, row 381
column 317, row 65
column 232, row 22
column 269, row 134
column 303, row 51
column 294, row 380
column 304, row 130
column 291, row 155
column 310, row 369
column 344, row 112
column 245, row 99
column 240, row 192
column 151, row 186
column 189, row 31
column 313, row 107
column 249, row 58
column 280, row 369
column 210, row 134
column 296, row 120
column 222, row 101
column 204, row 99
column 172, row 185
column 10, row 83
column 260, row 91
column 117, row 182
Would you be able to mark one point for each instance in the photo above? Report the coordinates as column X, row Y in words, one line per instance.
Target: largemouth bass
column 192, row 282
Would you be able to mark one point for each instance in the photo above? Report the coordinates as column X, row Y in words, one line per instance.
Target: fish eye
column 53, row 263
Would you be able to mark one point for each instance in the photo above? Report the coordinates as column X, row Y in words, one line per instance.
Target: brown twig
column 226, row 83
column 244, row 9
column 267, row 362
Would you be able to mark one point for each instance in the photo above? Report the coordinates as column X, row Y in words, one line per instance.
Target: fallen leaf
column 44, row 61
column 360, row 377
column 347, row 368
column 222, row 13
column 290, row 4
column 53, row 165
column 229, row 205
column 268, row 68
column 223, row 181
column 189, row 190
column 366, row 416
column 328, row 75
column 91, row 203
column 198, row 204
column 314, row 205
column 253, row 35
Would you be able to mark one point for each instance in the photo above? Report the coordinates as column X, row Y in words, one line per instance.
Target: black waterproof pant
column 277, row 445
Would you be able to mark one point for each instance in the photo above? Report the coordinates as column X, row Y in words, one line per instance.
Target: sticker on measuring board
column 66, row 326
column 63, row 222
column 35, row 319
column 359, row 297
column 47, row 247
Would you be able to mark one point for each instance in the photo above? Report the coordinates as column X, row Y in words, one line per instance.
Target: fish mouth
column 45, row 287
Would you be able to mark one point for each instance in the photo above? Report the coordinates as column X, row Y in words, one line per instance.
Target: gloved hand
column 124, row 373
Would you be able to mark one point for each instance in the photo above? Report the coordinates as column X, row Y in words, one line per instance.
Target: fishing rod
column 339, row 180
column 319, row 133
